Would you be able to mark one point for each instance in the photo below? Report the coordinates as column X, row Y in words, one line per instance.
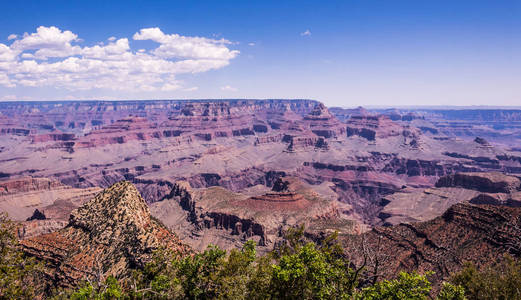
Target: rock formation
column 219, row 216
column 377, row 166
column 491, row 182
column 110, row 235
column 481, row 234
column 418, row 204
column 21, row 197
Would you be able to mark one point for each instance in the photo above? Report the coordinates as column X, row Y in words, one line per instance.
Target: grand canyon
column 428, row 188
column 260, row 150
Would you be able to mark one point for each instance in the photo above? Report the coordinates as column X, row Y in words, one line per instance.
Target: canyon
column 226, row 171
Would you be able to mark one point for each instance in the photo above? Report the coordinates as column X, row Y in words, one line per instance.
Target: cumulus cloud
column 228, row 88
column 174, row 45
column 54, row 57
column 12, row 37
column 48, row 42
column 305, row 33
column 6, row 53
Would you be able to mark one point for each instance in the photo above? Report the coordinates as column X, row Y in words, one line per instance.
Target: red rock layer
column 276, row 201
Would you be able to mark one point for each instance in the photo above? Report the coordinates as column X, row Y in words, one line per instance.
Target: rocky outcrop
column 27, row 184
column 54, row 137
column 490, row 182
column 20, row 197
column 373, row 127
column 201, row 218
column 37, row 215
column 418, row 167
column 38, row 227
column 418, row 204
column 322, row 123
column 225, row 218
column 110, row 235
column 481, row 234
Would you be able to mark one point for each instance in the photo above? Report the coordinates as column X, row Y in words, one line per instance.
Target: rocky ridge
column 219, row 216
column 481, row 234
column 110, row 235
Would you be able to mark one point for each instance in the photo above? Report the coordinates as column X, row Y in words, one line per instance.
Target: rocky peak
column 319, row 112
column 116, row 211
column 109, row 235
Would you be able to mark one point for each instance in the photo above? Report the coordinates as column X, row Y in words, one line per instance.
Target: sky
column 343, row 53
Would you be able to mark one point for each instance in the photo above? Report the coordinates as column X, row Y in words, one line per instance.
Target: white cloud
column 7, row 54
column 174, row 45
column 8, row 98
column 48, row 42
column 172, row 86
column 4, row 80
column 251, row 44
column 228, row 88
column 111, row 39
column 12, row 37
column 305, row 33
column 115, row 66
column 191, row 89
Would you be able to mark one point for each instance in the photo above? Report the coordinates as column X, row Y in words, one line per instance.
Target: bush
column 408, row 286
column 502, row 281
column 109, row 290
column 17, row 272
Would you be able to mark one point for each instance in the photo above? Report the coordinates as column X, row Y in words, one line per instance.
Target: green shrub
column 17, row 272
column 408, row 286
column 502, row 281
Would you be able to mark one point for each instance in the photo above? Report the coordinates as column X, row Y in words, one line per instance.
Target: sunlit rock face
column 111, row 234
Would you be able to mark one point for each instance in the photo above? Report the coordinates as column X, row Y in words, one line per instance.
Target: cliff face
column 110, row 235
column 361, row 157
column 481, row 234
column 21, row 197
column 419, row 204
column 219, row 216
column 491, row 182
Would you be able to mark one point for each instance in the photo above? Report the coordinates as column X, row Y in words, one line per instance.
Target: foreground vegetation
column 296, row 269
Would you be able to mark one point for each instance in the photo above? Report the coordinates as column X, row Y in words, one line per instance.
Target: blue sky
column 344, row 53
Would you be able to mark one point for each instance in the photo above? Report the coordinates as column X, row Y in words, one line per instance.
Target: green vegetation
column 501, row 281
column 296, row 269
column 17, row 272
column 110, row 289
